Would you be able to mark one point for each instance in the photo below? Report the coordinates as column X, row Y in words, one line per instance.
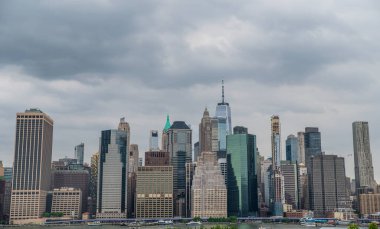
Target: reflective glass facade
column 242, row 175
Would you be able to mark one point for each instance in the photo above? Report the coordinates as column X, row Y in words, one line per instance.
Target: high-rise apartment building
column 242, row 178
column 290, row 174
column 312, row 141
column 277, row 179
column 208, row 133
column 153, row 140
column 7, row 192
column 364, row 176
column 154, row 192
column 79, row 153
column 32, row 161
column 180, row 148
column 292, row 149
column 327, row 184
column 112, row 174
column 67, row 201
column 265, row 166
column 209, row 193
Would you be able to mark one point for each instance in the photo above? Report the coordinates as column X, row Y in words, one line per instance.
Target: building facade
column 327, row 184
column 79, row 153
column 93, row 189
column 112, row 174
column 154, row 192
column 242, row 178
column 77, row 179
column 290, row 173
column 133, row 160
column 364, row 175
column 157, row 158
column 312, row 141
column 179, row 146
column 32, row 161
column 67, row 201
column 277, row 179
column 301, row 147
column 369, row 203
column 208, row 133
column 292, row 149
column 208, row 191
column 153, row 140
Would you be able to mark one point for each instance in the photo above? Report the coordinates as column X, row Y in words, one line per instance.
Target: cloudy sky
column 87, row 63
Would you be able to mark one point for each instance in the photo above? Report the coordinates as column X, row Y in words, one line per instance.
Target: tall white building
column 32, row 166
column 301, row 147
column 208, row 191
column 223, row 114
column 112, row 174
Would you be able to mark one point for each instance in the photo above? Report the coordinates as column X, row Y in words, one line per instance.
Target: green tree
column 353, row 226
column 197, row 219
column 373, row 226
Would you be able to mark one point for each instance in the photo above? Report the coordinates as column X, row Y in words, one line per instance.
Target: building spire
column 222, row 91
column 167, row 124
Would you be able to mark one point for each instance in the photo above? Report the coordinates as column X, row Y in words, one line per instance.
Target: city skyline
column 310, row 68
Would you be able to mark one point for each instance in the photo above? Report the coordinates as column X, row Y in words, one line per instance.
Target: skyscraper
column 153, row 140
column 208, row 133
column 157, row 158
column 93, row 189
column 312, row 139
column 165, row 140
column 301, row 147
column 292, row 149
column 223, row 114
column 242, row 177
column 32, row 161
column 112, row 175
column 79, row 153
column 277, row 179
column 276, row 141
column 180, row 148
column 364, row 176
column 290, row 173
column 328, row 184
column 154, row 192
column 240, row 130
column 209, row 193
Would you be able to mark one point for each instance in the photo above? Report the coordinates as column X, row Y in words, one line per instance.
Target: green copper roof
column 167, row 124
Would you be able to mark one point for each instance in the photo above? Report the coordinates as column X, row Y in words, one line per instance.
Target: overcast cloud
column 87, row 63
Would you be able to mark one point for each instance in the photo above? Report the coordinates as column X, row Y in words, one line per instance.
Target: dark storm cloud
column 164, row 43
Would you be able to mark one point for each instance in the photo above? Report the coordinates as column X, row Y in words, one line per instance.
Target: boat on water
column 308, row 224
column 193, row 223
column 165, row 222
column 344, row 222
column 261, row 227
column 94, row 223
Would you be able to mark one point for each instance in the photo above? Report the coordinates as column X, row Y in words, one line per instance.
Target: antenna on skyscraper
column 222, row 91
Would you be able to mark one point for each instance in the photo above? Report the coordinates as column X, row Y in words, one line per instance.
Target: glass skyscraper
column 112, row 174
column 312, row 138
column 292, row 149
column 223, row 114
column 242, row 175
column 79, row 153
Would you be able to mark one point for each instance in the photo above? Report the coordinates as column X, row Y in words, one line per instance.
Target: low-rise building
column 67, row 201
column 369, row 203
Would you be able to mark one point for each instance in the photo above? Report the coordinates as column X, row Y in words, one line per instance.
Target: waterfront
column 240, row 226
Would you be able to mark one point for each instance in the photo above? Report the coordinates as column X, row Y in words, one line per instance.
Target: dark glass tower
column 242, row 175
column 312, row 140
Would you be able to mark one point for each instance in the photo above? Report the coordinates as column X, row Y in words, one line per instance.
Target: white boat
column 308, row 224
column 261, row 227
column 165, row 222
column 94, row 223
column 193, row 223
